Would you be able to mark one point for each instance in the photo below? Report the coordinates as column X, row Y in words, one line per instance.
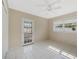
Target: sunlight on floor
column 61, row 52
column 41, row 50
column 54, row 49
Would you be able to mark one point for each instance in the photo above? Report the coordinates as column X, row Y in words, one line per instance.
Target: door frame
column 22, row 31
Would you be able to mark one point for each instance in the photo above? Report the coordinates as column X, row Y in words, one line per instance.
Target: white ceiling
column 39, row 7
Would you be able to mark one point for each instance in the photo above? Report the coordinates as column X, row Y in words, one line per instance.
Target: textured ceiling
column 44, row 8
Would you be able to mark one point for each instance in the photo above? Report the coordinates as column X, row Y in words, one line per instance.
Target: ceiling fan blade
column 43, row 5
column 55, row 2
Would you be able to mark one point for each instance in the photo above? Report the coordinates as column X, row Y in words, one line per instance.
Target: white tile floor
column 43, row 50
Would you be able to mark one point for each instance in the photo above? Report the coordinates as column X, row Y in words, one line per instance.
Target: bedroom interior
column 34, row 29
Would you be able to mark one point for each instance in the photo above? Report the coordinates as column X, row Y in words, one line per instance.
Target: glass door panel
column 27, row 32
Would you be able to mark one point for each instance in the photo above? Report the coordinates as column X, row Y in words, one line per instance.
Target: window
column 65, row 26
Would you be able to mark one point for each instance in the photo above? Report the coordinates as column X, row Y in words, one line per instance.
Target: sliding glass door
column 27, row 32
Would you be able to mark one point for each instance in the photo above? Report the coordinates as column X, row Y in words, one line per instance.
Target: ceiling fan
column 50, row 5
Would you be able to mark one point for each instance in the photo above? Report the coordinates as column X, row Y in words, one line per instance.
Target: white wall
column 63, row 37
column 15, row 33
column 4, row 31
column 43, row 28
